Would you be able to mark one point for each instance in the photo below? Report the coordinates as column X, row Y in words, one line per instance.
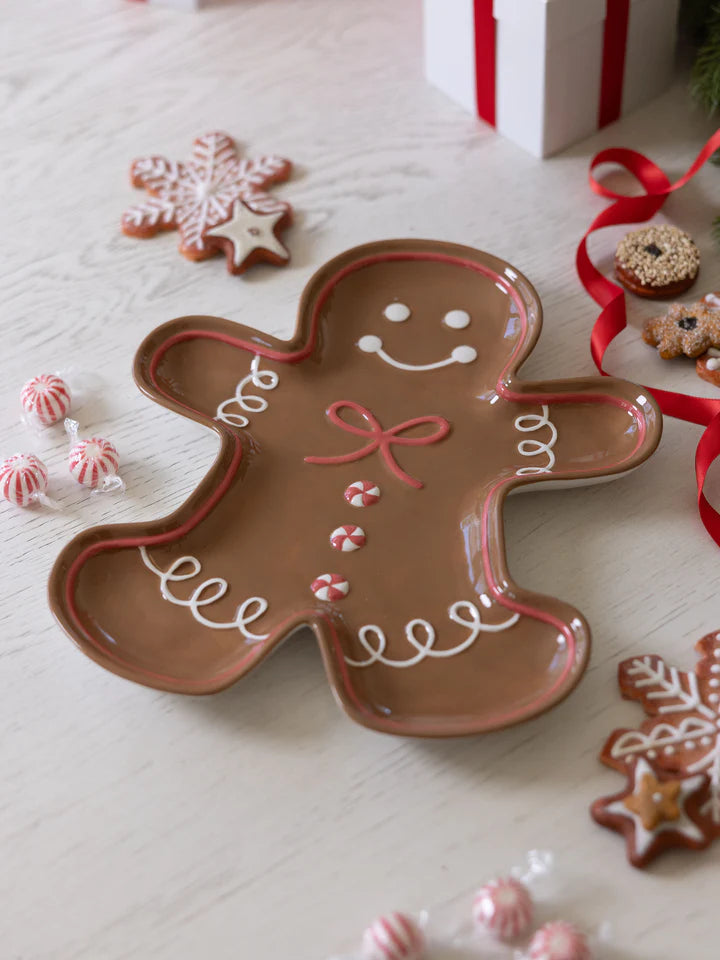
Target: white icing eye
column 457, row 319
column 464, row 354
column 370, row 344
column 397, row 312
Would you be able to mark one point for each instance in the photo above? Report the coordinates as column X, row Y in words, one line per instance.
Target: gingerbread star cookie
column 249, row 237
column 655, row 812
column 195, row 196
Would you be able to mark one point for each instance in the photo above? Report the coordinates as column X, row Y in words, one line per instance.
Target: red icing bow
column 380, row 439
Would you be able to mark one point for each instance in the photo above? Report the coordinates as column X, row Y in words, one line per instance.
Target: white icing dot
column 458, row 319
column 651, row 754
column 657, row 798
column 397, row 312
column 717, row 723
column 713, row 698
column 464, row 354
column 713, row 363
column 669, row 750
column 714, row 682
column 705, row 741
column 716, row 653
column 715, row 668
column 689, row 744
column 370, row 344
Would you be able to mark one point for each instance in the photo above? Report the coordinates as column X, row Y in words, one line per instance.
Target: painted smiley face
column 399, row 313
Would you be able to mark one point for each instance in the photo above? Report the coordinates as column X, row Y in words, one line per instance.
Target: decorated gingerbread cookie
column 657, row 261
column 359, row 491
column 217, row 195
column 707, row 366
column 685, row 330
column 672, row 760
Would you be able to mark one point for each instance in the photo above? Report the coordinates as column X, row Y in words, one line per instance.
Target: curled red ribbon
column 380, row 439
column 613, row 317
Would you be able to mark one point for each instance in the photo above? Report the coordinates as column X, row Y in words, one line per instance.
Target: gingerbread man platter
column 359, row 491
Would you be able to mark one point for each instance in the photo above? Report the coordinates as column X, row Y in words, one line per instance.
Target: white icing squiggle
column 263, row 380
column 200, row 597
column 374, row 641
column 373, row 344
column 529, row 423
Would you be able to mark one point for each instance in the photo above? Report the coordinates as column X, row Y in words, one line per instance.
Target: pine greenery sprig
column 705, row 84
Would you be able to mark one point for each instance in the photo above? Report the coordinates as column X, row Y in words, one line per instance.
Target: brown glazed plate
column 359, row 491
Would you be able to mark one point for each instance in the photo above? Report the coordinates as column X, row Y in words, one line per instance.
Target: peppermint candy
column 47, row 398
column 559, row 941
column 504, row 908
column 362, row 493
column 92, row 462
column 330, row 586
column 393, row 937
column 23, row 479
column 348, row 537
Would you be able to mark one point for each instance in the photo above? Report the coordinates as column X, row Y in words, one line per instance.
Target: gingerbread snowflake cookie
column 215, row 187
column 685, row 330
column 359, row 491
column 657, row 261
column 672, row 760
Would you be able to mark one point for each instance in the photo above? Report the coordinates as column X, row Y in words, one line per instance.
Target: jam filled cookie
column 658, row 261
column 708, row 367
column 688, row 329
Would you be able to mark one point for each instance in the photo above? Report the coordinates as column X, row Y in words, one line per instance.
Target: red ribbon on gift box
column 613, row 62
column 613, row 316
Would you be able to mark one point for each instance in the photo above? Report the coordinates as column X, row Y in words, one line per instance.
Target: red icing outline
column 383, row 438
column 313, row 616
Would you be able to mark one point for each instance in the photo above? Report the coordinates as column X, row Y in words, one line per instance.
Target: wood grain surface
column 261, row 823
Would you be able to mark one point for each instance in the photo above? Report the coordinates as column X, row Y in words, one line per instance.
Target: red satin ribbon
column 611, row 297
column 381, row 440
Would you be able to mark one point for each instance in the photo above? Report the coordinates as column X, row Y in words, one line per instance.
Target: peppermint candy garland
column 504, row 908
column 393, row 937
column 92, row 462
column 559, row 941
column 46, row 397
column 348, row 537
column 362, row 493
column 330, row 586
column 23, row 479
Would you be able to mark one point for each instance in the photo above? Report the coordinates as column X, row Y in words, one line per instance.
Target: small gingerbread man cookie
column 686, row 329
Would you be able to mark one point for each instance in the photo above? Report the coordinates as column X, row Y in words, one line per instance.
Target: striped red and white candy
column 362, row 493
column 330, row 586
column 348, row 537
column 92, row 460
column 46, row 397
column 23, row 478
column 559, row 941
column 393, row 937
column 504, row 908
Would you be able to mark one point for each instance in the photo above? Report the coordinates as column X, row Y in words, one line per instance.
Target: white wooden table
column 261, row 823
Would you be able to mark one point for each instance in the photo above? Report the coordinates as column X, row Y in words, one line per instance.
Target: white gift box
column 546, row 73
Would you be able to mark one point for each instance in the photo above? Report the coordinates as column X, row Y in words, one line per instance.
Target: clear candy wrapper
column 525, row 913
column 94, row 462
column 48, row 398
column 24, row 481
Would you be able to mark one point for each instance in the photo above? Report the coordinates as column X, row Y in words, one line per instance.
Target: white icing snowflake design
column 195, row 196
column 682, row 732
